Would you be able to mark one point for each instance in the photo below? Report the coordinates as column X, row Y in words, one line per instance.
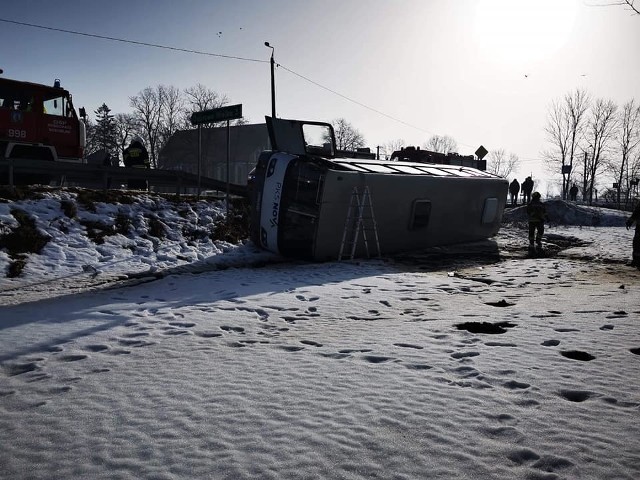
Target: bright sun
column 519, row 33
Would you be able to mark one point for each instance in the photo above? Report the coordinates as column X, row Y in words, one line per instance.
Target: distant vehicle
column 38, row 122
column 306, row 202
column 415, row 154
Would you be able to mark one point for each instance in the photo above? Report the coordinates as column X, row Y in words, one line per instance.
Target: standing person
column 537, row 213
column 527, row 188
column 514, row 189
column 136, row 156
column 107, row 163
column 635, row 218
column 573, row 192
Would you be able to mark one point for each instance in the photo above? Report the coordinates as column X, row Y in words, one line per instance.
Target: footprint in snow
column 228, row 328
column 19, row 368
column 577, row 355
column 576, row 395
column 459, row 355
column 136, row 334
column 290, row 348
column 418, row 366
column 182, row 324
column 208, row 334
column 501, row 303
column 96, row 348
column 132, row 342
column 176, row 331
column 515, row 385
column 485, row 327
column 59, row 390
column 73, row 358
column 408, row 345
column 376, row 358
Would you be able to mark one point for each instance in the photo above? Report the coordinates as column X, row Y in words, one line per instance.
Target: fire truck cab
column 38, row 122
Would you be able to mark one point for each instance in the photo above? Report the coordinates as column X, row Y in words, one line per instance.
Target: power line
column 233, row 57
column 197, row 52
column 123, row 40
column 352, row 100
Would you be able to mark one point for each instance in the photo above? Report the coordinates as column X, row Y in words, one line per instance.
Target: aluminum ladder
column 360, row 218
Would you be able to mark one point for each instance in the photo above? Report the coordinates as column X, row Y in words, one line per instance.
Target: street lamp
column 273, row 82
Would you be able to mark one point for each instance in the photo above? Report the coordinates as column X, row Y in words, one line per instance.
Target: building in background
column 246, row 144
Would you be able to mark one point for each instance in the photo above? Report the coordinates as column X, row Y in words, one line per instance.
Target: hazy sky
column 434, row 66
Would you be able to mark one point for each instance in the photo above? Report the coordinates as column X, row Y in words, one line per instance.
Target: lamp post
column 273, row 82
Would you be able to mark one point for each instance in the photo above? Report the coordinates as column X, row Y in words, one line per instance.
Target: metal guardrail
column 99, row 176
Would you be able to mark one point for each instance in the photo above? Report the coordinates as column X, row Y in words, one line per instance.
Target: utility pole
column 273, row 81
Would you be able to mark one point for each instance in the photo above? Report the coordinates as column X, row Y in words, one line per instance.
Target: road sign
column 217, row 114
column 481, row 152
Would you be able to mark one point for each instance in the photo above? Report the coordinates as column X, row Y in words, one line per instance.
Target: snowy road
column 361, row 370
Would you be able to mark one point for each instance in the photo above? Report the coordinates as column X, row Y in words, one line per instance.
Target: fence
column 99, row 176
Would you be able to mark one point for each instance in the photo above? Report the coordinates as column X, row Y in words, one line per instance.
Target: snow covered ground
column 179, row 359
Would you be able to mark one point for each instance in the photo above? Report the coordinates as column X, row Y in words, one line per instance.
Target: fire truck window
column 26, row 104
column 7, row 98
column 55, row 106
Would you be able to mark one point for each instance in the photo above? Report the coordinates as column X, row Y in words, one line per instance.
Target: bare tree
column 502, row 163
column 147, row 110
column 625, row 3
column 628, row 141
column 199, row 98
column 347, row 136
column 564, row 129
column 393, row 146
column 92, row 144
column 441, row 144
column 125, row 126
column 630, row 4
column 599, row 135
column 172, row 112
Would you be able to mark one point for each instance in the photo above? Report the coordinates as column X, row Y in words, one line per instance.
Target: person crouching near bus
column 537, row 213
column 635, row 218
column 136, row 156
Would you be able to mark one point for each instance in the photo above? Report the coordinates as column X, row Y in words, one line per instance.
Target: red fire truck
column 38, row 122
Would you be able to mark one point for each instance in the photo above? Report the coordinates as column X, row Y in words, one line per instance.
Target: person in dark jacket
column 573, row 192
column 527, row 188
column 635, row 218
column 514, row 190
column 136, row 156
column 537, row 213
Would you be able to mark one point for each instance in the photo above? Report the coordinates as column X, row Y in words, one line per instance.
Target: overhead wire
column 135, row 42
column 198, row 52
column 219, row 55
column 352, row 100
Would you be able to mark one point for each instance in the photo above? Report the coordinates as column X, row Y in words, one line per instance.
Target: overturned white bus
column 306, row 203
